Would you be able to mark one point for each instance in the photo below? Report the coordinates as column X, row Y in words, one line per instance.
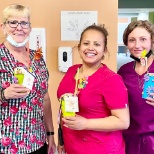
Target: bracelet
column 2, row 97
column 50, row 133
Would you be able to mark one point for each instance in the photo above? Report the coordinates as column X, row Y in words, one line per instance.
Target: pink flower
column 13, row 149
column 14, row 109
column 43, row 70
column 4, row 59
column 23, row 105
column 28, row 147
column 35, row 80
column 11, row 130
column 39, row 92
column 17, row 132
column 32, row 138
column 30, row 108
column 35, row 101
column 6, row 141
column 9, row 75
column 21, row 144
column 27, row 128
column 40, row 105
column 3, row 71
column 25, row 116
column 8, row 122
column 13, row 62
column 5, row 84
column 25, row 135
column 37, row 72
column 40, row 142
column 5, row 104
column 33, row 121
column 43, row 85
column 33, row 90
column 19, row 64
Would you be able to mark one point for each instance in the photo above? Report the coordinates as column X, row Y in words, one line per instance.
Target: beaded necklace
column 80, row 83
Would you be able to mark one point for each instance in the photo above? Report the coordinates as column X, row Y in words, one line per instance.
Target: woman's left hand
column 150, row 100
column 76, row 123
column 51, row 144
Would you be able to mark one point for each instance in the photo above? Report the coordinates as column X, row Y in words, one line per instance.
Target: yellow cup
column 64, row 113
column 20, row 78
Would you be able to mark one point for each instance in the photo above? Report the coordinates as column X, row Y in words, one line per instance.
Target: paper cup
column 64, row 113
column 20, row 78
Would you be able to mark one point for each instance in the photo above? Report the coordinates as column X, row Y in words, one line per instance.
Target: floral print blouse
column 21, row 120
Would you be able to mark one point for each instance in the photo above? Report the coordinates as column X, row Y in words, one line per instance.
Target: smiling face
column 138, row 40
column 19, row 34
column 14, row 17
column 92, row 47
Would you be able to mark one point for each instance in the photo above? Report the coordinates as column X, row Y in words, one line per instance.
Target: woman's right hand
column 60, row 149
column 16, row 91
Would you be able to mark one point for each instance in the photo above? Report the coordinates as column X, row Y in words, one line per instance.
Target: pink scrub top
column 105, row 91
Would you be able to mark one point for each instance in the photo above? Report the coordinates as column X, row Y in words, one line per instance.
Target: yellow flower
column 143, row 54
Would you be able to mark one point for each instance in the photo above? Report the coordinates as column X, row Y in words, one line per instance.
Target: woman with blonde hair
column 25, row 109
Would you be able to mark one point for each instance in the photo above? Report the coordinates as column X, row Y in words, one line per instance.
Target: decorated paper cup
column 20, row 78
column 64, row 113
column 19, row 74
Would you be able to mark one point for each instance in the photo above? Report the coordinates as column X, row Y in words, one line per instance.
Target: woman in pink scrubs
column 102, row 100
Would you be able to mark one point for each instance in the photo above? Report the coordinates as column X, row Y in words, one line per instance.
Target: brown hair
column 140, row 23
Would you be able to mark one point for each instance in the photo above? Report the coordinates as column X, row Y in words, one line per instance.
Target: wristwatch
column 50, row 133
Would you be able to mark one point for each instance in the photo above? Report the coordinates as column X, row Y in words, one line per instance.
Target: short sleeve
column 115, row 92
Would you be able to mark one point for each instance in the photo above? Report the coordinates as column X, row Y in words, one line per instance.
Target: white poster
column 73, row 23
column 37, row 40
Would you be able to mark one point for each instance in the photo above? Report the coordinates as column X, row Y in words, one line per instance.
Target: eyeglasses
column 15, row 23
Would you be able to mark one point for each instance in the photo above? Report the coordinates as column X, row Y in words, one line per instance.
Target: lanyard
column 76, row 82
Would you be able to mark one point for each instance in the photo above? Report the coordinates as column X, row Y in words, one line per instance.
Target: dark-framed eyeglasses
column 15, row 23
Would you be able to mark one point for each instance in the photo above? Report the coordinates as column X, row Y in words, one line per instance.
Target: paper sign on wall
column 73, row 23
column 37, row 40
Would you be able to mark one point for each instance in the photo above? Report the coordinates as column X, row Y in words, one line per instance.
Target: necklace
column 141, row 81
column 82, row 82
column 141, row 78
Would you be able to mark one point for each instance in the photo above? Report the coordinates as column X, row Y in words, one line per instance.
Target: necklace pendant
column 143, row 61
column 30, row 70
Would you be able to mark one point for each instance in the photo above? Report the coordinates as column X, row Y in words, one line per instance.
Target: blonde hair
column 15, row 10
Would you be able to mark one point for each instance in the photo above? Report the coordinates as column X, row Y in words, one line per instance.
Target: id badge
column 28, row 80
column 71, row 104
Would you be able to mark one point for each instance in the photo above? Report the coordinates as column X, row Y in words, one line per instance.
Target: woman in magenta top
column 102, row 100
column 139, row 138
